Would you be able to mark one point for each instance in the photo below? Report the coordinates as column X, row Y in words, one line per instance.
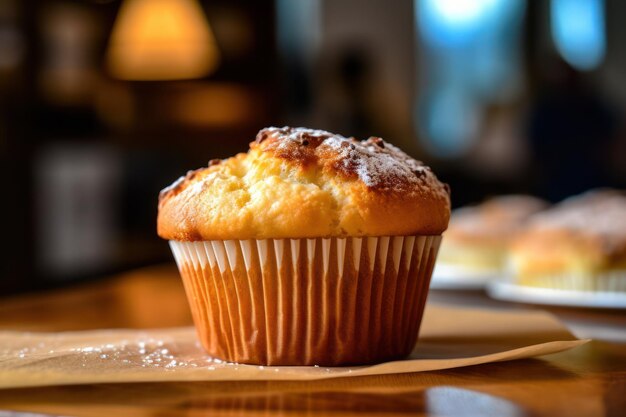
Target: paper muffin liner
column 334, row 301
column 608, row 281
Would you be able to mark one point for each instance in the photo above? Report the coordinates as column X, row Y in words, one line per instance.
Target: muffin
column 477, row 238
column 580, row 244
column 309, row 249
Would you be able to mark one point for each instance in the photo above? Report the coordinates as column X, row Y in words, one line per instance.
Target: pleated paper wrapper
column 334, row 301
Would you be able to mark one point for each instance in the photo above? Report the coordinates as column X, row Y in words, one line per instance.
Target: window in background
column 578, row 32
column 470, row 56
column 77, row 187
column 298, row 36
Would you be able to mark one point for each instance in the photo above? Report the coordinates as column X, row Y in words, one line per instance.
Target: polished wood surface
column 587, row 381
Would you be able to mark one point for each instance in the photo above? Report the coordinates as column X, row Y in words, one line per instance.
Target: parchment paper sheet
column 450, row 338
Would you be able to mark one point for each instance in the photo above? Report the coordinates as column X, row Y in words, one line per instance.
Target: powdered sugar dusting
column 601, row 214
column 299, row 134
column 179, row 184
column 170, row 188
column 606, row 217
column 378, row 166
column 375, row 162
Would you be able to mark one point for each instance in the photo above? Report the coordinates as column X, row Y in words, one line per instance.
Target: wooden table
column 587, row 381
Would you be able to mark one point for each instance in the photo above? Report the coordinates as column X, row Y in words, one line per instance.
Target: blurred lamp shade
column 161, row 40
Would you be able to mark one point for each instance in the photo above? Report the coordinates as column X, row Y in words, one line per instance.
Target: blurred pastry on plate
column 477, row 238
column 579, row 244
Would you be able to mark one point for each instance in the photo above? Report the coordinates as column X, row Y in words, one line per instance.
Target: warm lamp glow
column 216, row 105
column 161, row 40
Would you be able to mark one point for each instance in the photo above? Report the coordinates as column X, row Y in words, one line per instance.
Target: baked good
column 309, row 249
column 477, row 238
column 580, row 244
column 305, row 183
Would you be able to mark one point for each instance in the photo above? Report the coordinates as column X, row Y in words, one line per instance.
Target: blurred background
column 105, row 102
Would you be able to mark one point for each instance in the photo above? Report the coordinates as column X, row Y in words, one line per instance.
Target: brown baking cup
column 329, row 302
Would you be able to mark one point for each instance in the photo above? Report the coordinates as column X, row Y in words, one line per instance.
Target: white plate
column 451, row 277
column 503, row 290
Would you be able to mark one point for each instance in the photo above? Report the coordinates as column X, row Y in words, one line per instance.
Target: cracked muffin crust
column 305, row 183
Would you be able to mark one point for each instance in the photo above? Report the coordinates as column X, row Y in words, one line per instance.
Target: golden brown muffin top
column 590, row 226
column 494, row 221
column 305, row 183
